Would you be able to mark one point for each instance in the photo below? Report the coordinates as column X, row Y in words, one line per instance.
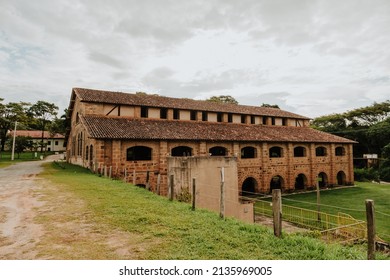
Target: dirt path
column 18, row 199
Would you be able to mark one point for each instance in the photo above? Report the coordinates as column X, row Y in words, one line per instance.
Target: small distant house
column 52, row 142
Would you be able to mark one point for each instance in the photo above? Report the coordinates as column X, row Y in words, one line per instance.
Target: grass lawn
column 351, row 201
column 5, row 157
column 170, row 230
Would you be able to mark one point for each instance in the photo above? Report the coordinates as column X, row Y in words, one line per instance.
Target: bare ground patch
column 71, row 232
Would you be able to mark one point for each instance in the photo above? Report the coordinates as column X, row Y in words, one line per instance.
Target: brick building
column 134, row 134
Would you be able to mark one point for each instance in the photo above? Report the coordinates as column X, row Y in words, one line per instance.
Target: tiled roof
column 101, row 127
column 110, row 97
column 37, row 134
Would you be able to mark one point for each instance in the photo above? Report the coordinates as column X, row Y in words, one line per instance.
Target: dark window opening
column 243, row 118
column 204, row 116
column 219, row 117
column 322, row 180
column 320, row 151
column 163, row 113
column 248, row 152
column 273, row 120
column 340, row 151
column 91, row 153
column 181, row 151
column 253, row 119
column 265, row 120
column 300, row 182
column 276, row 183
column 275, row 152
column 284, row 122
column 341, row 178
column 86, row 152
column 299, row 152
column 139, row 153
column 193, row 115
column 218, row 151
column 176, row 114
column 56, row 143
column 144, row 112
column 249, row 187
column 230, row 117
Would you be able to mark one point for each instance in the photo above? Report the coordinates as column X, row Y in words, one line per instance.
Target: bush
column 366, row 174
column 385, row 171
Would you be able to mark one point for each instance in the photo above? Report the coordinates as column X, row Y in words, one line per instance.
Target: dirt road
column 18, row 200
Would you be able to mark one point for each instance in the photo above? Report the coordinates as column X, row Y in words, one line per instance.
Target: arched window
column 91, row 153
column 321, row 151
column 218, row 151
column 300, row 182
column 322, row 180
column 80, row 144
column 341, row 178
column 139, row 153
column 275, row 152
column 248, row 152
column 277, row 182
column 181, row 151
column 340, row 151
column 249, row 186
column 86, row 152
column 299, row 151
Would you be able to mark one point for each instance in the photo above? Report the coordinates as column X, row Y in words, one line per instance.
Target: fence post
column 134, row 177
column 125, row 179
column 147, row 180
column 370, row 229
column 318, row 201
column 158, row 183
column 170, row 192
column 110, row 172
column 277, row 211
column 222, row 200
column 193, row 194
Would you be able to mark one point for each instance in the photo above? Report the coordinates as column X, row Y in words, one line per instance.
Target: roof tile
column 102, row 127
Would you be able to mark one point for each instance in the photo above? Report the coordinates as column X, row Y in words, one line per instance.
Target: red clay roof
column 36, row 134
column 101, row 127
column 110, row 97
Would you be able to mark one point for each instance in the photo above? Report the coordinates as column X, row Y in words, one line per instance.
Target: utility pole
column 13, row 143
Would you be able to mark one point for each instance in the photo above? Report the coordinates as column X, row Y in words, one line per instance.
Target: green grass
column 170, row 230
column 5, row 157
column 351, row 201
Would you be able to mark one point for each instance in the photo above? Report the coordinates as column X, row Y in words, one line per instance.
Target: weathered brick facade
column 287, row 155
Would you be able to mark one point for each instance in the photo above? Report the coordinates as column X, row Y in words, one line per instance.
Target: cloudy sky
column 309, row 57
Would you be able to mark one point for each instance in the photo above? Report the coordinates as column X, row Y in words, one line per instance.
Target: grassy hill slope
column 167, row 230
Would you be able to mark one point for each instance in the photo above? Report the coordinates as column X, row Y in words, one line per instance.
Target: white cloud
column 310, row 57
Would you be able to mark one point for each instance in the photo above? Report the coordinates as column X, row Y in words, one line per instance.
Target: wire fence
column 332, row 226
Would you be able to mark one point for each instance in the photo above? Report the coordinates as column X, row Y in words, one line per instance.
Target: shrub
column 385, row 173
column 366, row 174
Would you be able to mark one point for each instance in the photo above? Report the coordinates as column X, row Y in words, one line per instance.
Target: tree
column 266, row 105
column 369, row 126
column 9, row 114
column 223, row 99
column 21, row 143
column 43, row 112
column 58, row 125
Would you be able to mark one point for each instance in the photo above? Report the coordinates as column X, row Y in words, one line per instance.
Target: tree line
column 370, row 127
column 42, row 116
